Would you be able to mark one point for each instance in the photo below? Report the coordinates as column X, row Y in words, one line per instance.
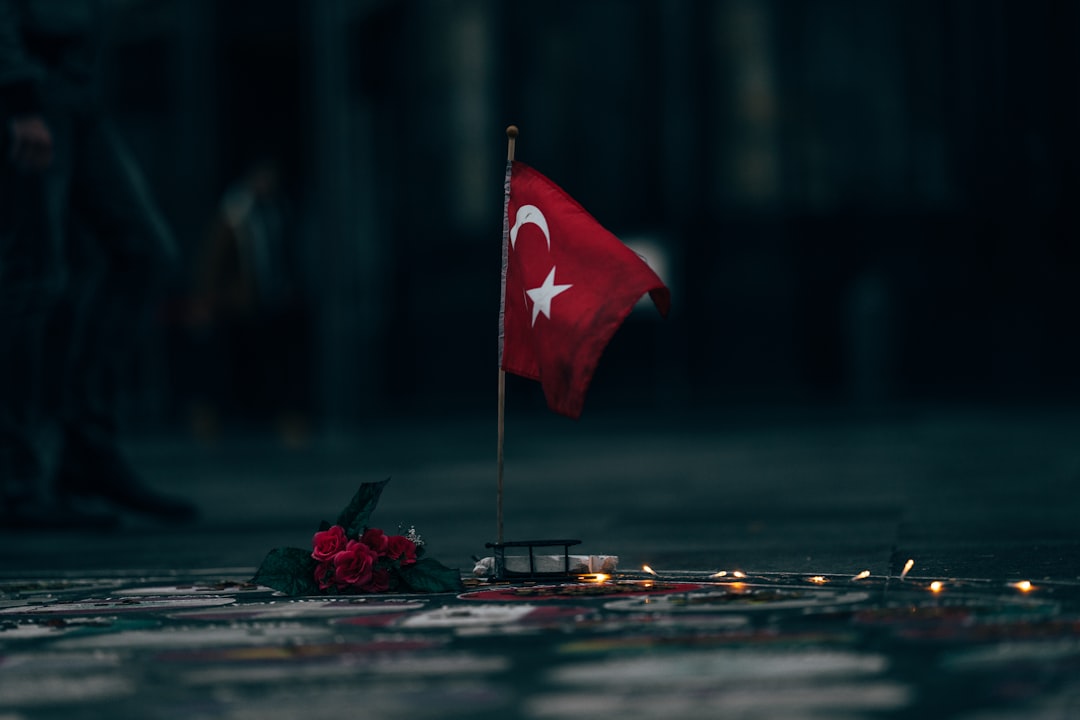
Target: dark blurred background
column 855, row 203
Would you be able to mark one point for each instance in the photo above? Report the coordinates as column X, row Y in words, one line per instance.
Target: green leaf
column 289, row 570
column 430, row 575
column 354, row 518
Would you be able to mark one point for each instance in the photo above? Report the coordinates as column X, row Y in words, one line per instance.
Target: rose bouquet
column 351, row 557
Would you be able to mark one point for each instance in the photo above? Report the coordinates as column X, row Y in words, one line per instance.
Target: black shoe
column 35, row 515
column 106, row 476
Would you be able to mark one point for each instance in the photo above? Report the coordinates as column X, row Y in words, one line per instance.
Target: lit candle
column 818, row 579
column 907, row 568
column 936, row 586
column 862, row 576
column 1024, row 586
column 648, row 569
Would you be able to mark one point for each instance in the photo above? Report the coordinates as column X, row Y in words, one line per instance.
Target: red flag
column 568, row 284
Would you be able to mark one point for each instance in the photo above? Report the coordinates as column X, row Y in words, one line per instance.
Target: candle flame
column 907, row 568
column 936, row 586
column 818, row 579
column 596, row 578
column 1024, row 586
column 722, row 573
column 739, row 574
column 862, row 576
column 648, row 569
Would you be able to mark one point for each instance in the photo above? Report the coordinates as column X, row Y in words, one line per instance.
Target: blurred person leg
column 124, row 259
column 29, row 286
column 33, row 278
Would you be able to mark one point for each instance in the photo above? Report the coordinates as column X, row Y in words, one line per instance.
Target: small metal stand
column 501, row 573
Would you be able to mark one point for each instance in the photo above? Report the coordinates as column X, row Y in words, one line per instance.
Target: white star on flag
column 542, row 296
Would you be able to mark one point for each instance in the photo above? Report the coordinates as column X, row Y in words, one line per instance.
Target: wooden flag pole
column 502, row 434
column 511, row 139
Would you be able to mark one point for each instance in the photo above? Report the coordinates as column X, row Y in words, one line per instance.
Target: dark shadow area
column 856, row 204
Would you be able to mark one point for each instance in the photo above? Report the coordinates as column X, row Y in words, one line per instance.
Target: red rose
column 328, row 543
column 353, row 565
column 380, row 581
column 375, row 539
column 399, row 547
column 324, row 575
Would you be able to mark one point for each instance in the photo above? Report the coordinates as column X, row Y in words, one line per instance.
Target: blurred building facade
column 858, row 202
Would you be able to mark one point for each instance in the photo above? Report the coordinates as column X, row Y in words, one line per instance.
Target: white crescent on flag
column 529, row 214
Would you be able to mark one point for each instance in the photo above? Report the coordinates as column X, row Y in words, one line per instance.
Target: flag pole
column 511, row 139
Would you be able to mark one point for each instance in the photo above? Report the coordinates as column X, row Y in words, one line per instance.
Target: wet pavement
column 818, row 512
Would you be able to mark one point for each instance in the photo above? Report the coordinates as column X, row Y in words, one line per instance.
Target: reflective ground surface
column 820, row 511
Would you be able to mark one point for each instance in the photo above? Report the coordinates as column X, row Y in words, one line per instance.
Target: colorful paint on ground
column 687, row 646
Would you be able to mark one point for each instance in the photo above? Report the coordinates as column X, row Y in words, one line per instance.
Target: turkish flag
column 568, row 284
